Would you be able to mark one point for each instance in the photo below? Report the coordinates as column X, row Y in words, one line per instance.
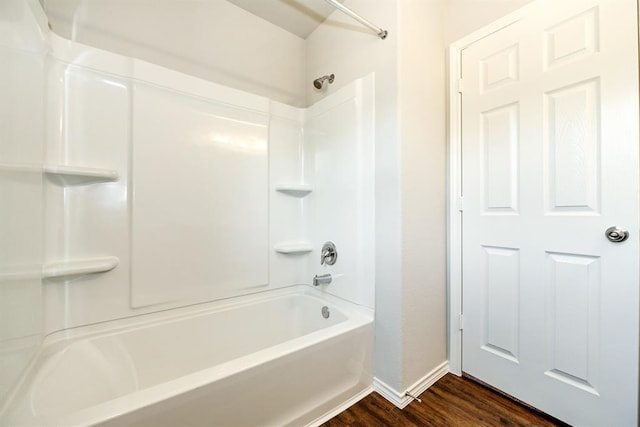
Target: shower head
column 319, row 82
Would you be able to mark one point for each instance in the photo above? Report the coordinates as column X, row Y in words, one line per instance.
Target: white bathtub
column 265, row 359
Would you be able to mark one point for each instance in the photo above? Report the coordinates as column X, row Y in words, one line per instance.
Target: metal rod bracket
column 344, row 9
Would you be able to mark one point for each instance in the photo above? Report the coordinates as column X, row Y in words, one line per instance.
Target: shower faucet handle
column 329, row 254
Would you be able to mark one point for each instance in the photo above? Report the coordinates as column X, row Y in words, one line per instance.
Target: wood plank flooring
column 452, row 401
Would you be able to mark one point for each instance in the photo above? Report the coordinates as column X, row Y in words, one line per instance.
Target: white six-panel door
column 549, row 162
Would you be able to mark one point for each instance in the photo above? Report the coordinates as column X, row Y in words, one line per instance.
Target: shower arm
column 379, row 31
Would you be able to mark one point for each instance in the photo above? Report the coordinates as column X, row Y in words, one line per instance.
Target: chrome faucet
column 329, row 254
column 323, row 279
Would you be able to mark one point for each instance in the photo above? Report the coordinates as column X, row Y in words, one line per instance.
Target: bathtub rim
column 173, row 314
column 358, row 317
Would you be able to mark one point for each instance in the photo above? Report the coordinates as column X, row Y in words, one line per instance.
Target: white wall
column 421, row 101
column 22, row 53
column 465, row 16
column 214, row 40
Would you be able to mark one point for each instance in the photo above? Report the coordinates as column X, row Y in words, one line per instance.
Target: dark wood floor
column 452, row 401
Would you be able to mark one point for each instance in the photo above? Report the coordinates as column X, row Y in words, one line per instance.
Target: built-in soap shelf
column 79, row 267
column 295, row 190
column 79, row 175
column 293, row 247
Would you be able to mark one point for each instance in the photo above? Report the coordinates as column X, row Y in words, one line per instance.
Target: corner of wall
column 422, row 135
column 402, row 399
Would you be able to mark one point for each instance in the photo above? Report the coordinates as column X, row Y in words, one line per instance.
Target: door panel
column 572, row 148
column 502, row 288
column 550, row 161
column 572, row 317
column 499, row 140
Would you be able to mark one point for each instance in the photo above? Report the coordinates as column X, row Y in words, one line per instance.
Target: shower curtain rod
column 379, row 31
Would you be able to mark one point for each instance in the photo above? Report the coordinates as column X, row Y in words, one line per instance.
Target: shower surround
column 165, row 191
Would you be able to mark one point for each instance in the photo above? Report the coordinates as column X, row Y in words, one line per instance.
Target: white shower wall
column 195, row 213
column 343, row 202
column 22, row 53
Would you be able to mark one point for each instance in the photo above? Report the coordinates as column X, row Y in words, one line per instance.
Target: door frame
column 455, row 200
column 454, row 197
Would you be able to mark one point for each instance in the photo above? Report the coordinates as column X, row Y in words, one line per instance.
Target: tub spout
column 323, row 279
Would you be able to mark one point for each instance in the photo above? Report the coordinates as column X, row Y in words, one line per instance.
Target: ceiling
column 299, row 17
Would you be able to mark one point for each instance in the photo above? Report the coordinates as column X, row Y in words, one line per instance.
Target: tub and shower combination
column 152, row 323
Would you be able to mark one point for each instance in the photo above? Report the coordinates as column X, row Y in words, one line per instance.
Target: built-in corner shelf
column 79, row 175
column 79, row 267
column 295, row 190
column 293, row 247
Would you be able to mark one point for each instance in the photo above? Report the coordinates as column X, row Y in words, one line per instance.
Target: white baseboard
column 401, row 399
column 355, row 399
